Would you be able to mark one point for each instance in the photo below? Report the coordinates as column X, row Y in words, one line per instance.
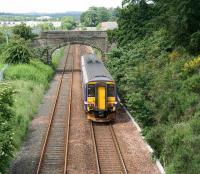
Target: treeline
column 95, row 15
column 67, row 23
column 33, row 16
column 156, row 66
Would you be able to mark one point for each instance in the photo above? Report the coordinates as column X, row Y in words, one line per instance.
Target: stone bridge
column 52, row 40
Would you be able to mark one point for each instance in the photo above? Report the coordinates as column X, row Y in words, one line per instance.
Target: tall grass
column 1, row 61
column 30, row 82
column 27, row 98
column 36, row 71
column 57, row 56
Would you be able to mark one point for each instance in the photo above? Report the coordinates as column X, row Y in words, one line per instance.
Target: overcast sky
column 24, row 6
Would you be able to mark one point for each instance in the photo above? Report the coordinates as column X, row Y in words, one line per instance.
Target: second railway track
column 53, row 158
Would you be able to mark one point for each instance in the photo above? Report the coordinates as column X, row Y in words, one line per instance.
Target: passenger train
column 99, row 90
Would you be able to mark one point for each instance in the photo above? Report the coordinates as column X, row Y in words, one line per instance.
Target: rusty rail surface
column 55, row 129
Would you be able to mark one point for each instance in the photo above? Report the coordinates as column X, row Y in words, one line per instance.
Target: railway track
column 56, row 156
column 53, row 158
column 108, row 155
column 109, row 158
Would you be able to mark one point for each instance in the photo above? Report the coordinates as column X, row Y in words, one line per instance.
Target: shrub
column 23, row 31
column 181, row 148
column 155, row 137
column 7, row 144
column 17, row 51
column 2, row 38
column 174, row 56
column 57, row 55
column 192, row 65
column 161, row 90
column 195, row 42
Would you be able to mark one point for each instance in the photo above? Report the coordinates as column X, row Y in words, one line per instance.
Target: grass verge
column 30, row 82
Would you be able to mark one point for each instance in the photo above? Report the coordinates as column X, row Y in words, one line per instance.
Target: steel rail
column 69, row 118
column 116, row 144
column 51, row 116
column 95, row 148
column 118, row 149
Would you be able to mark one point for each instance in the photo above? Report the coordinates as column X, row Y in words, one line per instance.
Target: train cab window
column 110, row 91
column 91, row 90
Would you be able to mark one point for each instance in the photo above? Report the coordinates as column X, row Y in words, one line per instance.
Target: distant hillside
column 6, row 16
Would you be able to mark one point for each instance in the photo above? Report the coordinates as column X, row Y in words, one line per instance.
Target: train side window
column 91, row 90
column 110, row 91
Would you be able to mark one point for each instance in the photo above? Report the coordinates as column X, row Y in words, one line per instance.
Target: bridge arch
column 52, row 40
column 74, row 43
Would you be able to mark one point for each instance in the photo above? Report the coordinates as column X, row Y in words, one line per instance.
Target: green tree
column 23, row 31
column 181, row 18
column 67, row 23
column 95, row 15
column 195, row 42
column 158, row 79
column 133, row 20
column 45, row 26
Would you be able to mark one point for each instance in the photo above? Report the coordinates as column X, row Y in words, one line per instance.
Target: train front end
column 99, row 90
column 101, row 102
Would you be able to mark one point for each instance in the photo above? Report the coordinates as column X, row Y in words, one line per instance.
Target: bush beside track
column 161, row 90
column 20, row 96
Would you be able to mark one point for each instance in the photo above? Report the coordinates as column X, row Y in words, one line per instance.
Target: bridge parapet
column 69, row 34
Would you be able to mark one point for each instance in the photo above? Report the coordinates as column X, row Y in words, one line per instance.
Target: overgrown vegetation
column 19, row 106
column 36, row 71
column 156, row 66
column 57, row 56
column 17, row 51
column 26, row 79
column 23, row 31
column 7, row 144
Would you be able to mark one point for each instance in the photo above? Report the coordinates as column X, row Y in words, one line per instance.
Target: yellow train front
column 99, row 90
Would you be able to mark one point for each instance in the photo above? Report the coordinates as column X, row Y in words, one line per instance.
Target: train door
column 101, row 90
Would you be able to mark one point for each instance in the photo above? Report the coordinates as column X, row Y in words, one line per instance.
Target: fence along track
column 53, row 157
column 109, row 158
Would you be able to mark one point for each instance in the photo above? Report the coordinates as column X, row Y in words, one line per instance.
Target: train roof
column 94, row 69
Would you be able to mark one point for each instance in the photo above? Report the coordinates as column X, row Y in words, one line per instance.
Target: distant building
column 9, row 23
column 108, row 25
column 41, row 18
column 28, row 23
